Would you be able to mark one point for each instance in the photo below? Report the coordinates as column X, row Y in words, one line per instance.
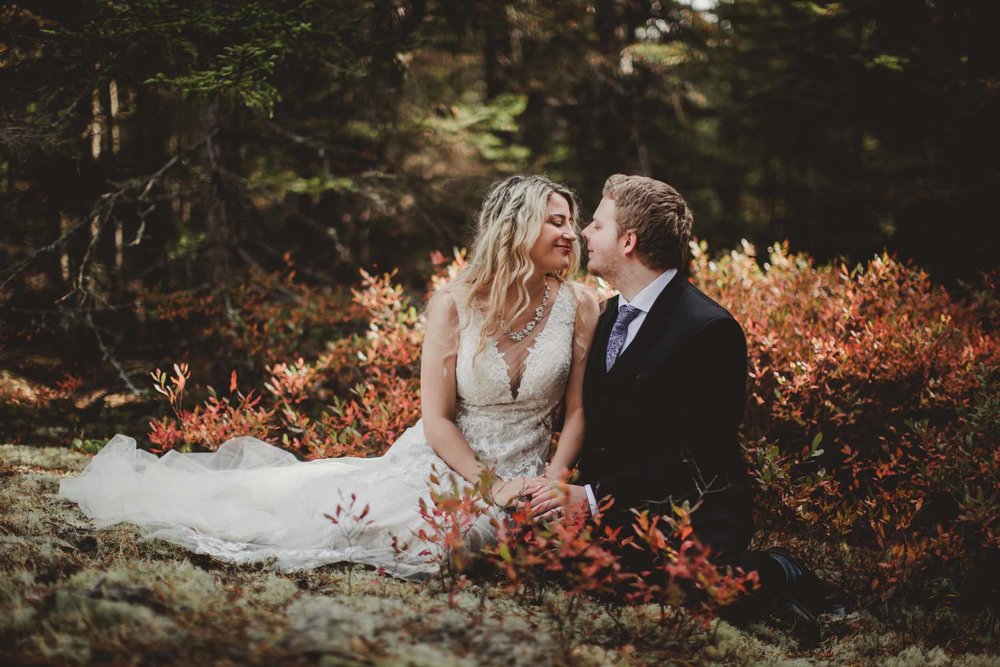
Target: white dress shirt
column 643, row 301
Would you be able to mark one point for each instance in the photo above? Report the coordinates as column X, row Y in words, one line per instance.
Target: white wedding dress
column 250, row 501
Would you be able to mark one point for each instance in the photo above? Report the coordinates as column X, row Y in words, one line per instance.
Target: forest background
column 204, row 183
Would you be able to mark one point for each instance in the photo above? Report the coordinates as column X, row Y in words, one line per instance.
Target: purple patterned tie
column 619, row 332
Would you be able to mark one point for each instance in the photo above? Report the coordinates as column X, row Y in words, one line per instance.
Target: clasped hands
column 548, row 496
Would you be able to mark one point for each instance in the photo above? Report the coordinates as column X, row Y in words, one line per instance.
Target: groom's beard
column 608, row 273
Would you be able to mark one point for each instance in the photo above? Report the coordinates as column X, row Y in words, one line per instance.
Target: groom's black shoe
column 802, row 597
column 780, row 610
column 797, row 618
column 802, row 584
column 793, row 597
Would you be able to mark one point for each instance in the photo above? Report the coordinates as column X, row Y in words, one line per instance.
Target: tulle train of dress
column 250, row 501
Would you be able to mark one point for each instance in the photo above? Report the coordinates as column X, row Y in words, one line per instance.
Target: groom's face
column 605, row 249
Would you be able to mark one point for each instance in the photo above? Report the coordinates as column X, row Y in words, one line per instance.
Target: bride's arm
column 438, row 395
column 571, row 438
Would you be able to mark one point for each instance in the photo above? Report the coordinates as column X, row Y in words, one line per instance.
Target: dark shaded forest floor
column 70, row 594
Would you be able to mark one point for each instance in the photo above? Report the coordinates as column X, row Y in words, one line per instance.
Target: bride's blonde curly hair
column 508, row 225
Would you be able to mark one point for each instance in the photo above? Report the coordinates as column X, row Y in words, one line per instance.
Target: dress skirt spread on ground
column 250, row 501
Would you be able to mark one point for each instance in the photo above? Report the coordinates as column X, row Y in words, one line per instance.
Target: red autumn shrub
column 266, row 318
column 584, row 556
column 681, row 573
column 383, row 402
column 872, row 417
column 860, row 421
column 454, row 522
column 209, row 424
column 572, row 550
column 386, row 400
column 351, row 521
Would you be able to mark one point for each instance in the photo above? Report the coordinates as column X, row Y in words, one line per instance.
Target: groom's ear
column 631, row 240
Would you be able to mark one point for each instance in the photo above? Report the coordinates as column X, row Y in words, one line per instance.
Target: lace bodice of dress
column 510, row 428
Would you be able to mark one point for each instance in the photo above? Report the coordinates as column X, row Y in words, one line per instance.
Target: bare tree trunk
column 65, row 222
column 605, row 22
column 221, row 212
column 496, row 48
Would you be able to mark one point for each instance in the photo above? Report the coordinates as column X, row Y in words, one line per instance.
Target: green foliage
column 241, row 71
column 160, row 145
column 216, row 50
column 889, row 62
column 662, row 58
column 483, row 126
column 87, row 445
column 834, row 109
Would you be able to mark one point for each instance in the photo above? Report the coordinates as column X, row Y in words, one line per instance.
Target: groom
column 664, row 391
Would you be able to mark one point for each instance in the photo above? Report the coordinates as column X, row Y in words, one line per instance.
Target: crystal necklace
column 518, row 336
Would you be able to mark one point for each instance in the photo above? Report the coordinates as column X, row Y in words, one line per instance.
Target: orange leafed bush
column 454, row 522
column 579, row 553
column 266, row 318
column 586, row 557
column 872, row 418
column 385, row 401
column 209, row 424
column 573, row 550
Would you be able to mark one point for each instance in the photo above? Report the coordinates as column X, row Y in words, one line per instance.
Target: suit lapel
column 599, row 349
column 595, row 378
column 654, row 327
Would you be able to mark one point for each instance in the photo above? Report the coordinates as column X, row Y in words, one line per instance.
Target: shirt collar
column 645, row 298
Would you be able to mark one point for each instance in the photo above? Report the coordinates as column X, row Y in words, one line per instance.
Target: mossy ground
column 70, row 594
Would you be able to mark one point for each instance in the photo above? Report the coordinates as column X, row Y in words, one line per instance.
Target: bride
column 505, row 346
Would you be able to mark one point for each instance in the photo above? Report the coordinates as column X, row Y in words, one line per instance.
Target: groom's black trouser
column 729, row 544
column 726, row 526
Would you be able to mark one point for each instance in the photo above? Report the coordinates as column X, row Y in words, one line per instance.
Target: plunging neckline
column 515, row 390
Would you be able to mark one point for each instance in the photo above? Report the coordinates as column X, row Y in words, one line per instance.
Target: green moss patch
column 70, row 594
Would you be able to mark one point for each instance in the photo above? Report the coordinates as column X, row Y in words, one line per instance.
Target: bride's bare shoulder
column 443, row 309
column 586, row 296
column 588, row 304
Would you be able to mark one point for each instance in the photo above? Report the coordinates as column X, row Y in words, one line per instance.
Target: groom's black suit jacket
column 662, row 425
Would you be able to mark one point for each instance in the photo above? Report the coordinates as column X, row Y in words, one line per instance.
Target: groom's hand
column 556, row 499
column 514, row 492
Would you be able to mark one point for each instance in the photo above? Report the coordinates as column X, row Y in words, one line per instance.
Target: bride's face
column 551, row 251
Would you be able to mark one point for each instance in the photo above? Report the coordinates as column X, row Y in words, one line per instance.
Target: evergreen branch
column 342, row 252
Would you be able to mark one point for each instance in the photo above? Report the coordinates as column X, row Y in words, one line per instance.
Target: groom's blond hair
column 658, row 216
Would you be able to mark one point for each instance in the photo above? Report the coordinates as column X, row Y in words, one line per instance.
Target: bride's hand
column 506, row 492
column 557, row 499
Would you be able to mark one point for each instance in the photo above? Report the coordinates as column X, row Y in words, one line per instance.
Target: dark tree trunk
column 496, row 48
column 605, row 22
column 221, row 207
